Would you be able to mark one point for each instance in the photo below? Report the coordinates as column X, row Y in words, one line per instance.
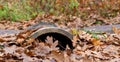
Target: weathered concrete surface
column 51, row 30
column 9, row 32
column 105, row 28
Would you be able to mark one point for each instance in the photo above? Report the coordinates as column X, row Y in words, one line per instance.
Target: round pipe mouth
column 64, row 38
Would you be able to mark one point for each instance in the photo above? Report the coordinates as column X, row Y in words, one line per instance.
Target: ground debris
column 88, row 46
column 87, row 49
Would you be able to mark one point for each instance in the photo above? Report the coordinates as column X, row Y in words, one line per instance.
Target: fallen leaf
column 10, row 50
column 52, row 44
column 42, row 50
column 116, row 30
column 2, row 40
column 20, row 40
column 58, row 56
column 66, row 57
column 75, row 39
column 95, row 41
column 29, row 53
column 86, row 59
column 30, row 40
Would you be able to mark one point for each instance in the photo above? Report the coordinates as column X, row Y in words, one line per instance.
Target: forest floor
column 89, row 46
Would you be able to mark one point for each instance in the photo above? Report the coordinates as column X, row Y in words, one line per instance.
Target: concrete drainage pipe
column 64, row 38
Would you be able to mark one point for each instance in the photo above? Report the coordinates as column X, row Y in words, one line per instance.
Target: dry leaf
column 20, row 40
column 2, row 40
column 47, row 51
column 49, row 41
column 10, row 50
column 30, row 40
column 116, row 30
column 29, row 53
column 95, row 41
column 10, row 60
column 25, row 34
column 86, row 59
column 75, row 38
column 59, row 57
column 53, row 46
column 42, row 50
column 66, row 57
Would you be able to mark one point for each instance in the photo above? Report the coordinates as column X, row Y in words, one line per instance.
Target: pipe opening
column 63, row 40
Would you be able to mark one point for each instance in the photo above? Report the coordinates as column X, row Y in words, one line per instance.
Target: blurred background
column 17, row 10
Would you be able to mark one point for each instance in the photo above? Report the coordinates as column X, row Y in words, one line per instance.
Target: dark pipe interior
column 62, row 40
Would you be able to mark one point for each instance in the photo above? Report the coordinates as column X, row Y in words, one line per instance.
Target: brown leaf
column 75, row 38
column 116, row 30
column 42, row 50
column 20, row 36
column 59, row 57
column 86, row 59
column 49, row 41
column 25, row 34
column 10, row 49
column 2, row 40
column 1, row 6
column 20, row 40
column 58, row 2
column 66, row 57
column 30, row 40
column 10, row 60
column 53, row 46
column 29, row 53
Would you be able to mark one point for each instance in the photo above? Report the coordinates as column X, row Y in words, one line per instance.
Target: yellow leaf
column 74, row 31
column 95, row 41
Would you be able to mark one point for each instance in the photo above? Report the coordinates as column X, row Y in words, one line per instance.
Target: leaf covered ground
column 88, row 46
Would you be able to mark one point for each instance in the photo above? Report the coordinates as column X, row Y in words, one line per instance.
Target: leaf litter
column 15, row 47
